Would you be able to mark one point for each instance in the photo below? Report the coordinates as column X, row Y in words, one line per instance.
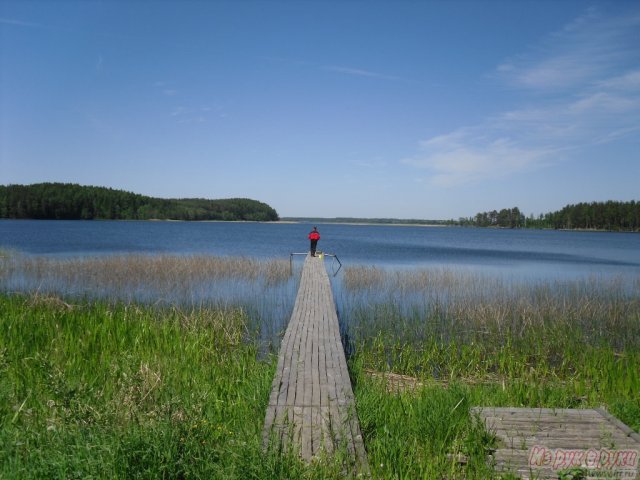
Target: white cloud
column 375, row 164
column 580, row 53
column 595, row 57
column 19, row 23
column 359, row 72
column 468, row 155
column 628, row 81
column 179, row 111
column 346, row 70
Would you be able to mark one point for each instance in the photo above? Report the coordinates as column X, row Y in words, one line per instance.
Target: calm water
column 521, row 253
column 512, row 257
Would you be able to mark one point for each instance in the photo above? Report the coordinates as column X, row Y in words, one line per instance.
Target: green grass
column 94, row 388
column 470, row 341
column 6, row 253
column 122, row 391
column 264, row 289
column 421, row 434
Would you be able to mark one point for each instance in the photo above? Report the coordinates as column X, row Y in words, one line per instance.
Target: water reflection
column 407, row 305
column 410, row 306
column 264, row 289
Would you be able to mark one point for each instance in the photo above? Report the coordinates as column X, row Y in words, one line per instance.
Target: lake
column 518, row 253
column 55, row 257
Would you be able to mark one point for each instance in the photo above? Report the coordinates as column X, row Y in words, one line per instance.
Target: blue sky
column 398, row 109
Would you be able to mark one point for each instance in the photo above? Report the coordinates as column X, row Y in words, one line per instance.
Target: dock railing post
column 332, row 255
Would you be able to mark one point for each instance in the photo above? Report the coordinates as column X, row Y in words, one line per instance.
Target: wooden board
column 541, row 442
column 311, row 406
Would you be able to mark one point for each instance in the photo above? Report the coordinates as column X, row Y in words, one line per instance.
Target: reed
column 113, row 390
column 163, row 272
column 467, row 339
column 4, row 253
column 264, row 289
column 147, row 367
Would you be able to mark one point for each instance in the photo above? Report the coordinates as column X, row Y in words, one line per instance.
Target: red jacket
column 314, row 235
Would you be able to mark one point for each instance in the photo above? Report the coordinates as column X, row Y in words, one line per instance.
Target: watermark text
column 623, row 462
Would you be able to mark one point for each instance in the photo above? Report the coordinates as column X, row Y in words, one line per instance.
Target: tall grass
column 146, row 367
column 164, row 275
column 264, row 289
column 98, row 390
column 469, row 339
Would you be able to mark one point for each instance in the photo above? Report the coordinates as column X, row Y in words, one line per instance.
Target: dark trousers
column 314, row 244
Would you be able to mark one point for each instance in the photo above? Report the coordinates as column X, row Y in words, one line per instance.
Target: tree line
column 66, row 201
column 610, row 215
column 375, row 221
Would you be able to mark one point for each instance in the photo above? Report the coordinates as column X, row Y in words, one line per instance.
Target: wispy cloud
column 358, row 72
column 584, row 51
column 344, row 70
column 587, row 84
column 471, row 155
column 197, row 115
column 19, row 23
column 375, row 164
column 165, row 88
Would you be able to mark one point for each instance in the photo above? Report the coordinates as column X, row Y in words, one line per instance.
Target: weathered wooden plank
column 560, row 419
column 625, row 429
column 322, row 363
column 518, row 462
column 268, row 421
column 287, row 353
column 315, row 366
column 297, row 395
column 517, row 411
column 572, row 442
column 312, row 404
column 520, row 431
column 593, row 431
column 281, row 381
column 308, row 364
column 306, row 441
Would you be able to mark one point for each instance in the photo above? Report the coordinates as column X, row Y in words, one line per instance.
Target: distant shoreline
column 363, row 223
column 369, row 221
column 319, row 221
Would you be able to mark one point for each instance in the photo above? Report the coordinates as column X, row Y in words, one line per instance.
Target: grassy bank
column 264, row 289
column 463, row 340
column 121, row 391
column 98, row 383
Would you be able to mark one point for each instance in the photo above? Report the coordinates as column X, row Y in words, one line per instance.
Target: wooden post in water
column 312, row 407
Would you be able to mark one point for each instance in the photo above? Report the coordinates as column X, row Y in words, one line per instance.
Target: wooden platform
column 312, row 407
column 540, row 442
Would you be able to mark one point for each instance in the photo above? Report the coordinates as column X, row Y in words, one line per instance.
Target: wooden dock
column 311, row 407
column 541, row 442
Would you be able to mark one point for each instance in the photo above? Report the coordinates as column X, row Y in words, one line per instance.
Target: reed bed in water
column 464, row 306
column 124, row 390
column 160, row 272
column 465, row 339
column 264, row 289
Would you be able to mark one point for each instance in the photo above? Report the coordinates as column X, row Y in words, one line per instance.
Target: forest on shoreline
column 607, row 216
column 610, row 216
column 66, row 201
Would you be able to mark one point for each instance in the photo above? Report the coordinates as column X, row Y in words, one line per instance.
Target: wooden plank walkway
column 312, row 404
column 540, row 442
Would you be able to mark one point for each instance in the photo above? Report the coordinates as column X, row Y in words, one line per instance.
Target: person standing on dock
column 314, row 236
